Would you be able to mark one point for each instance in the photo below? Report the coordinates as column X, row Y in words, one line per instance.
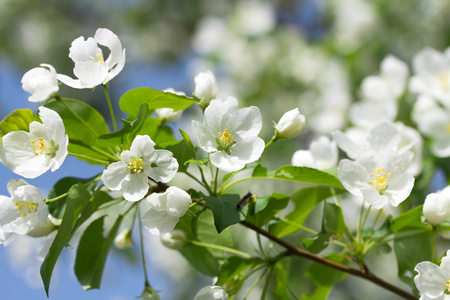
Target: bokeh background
column 278, row 55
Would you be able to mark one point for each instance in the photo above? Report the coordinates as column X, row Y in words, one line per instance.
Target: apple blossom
column 165, row 210
column 24, row 210
column 322, row 155
column 291, row 124
column 432, row 74
column 433, row 281
column 41, row 83
column 91, row 68
column 380, row 177
column 212, row 292
column 205, row 87
column 436, row 207
column 142, row 161
column 123, row 240
column 32, row 153
column 229, row 134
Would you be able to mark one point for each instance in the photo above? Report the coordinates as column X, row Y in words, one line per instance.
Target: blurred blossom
column 210, row 35
column 253, row 18
column 433, row 121
column 432, row 74
column 123, row 240
column 432, row 280
column 41, row 83
column 212, row 292
column 175, row 239
column 436, row 207
column 322, row 155
column 353, row 20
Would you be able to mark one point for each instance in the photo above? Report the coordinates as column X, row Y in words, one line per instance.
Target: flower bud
column 123, row 240
column 291, row 124
column 41, row 83
column 149, row 294
column 205, row 87
column 175, row 239
column 212, row 292
column 437, row 206
column 168, row 115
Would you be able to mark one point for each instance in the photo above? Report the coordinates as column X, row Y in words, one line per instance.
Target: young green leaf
column 410, row 220
column 224, row 210
column 78, row 196
column 307, row 175
column 19, row 119
column 266, row 208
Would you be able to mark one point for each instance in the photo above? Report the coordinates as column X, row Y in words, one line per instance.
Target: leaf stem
column 266, row 284
column 111, row 110
column 141, row 235
column 219, row 247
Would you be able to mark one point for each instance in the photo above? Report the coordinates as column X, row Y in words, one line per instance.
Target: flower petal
column 90, row 72
column 158, row 222
column 115, row 174
column 136, row 188
column 430, row 281
column 178, row 202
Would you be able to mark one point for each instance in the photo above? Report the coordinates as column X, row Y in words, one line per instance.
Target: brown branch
column 366, row 274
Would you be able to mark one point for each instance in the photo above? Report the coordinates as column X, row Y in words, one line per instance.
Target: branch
column 366, row 274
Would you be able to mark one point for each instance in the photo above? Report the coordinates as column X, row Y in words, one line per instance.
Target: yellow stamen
column 100, row 61
column 38, row 147
column 443, row 80
column 226, row 139
column 135, row 165
column 24, row 207
column 379, row 180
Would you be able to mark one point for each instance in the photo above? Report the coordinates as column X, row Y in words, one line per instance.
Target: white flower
column 31, row 154
column 322, row 155
column 41, row 83
column 123, row 240
column 165, row 210
column 291, row 124
column 379, row 177
column 433, row 121
column 432, row 280
column 211, row 292
column 437, row 206
column 432, row 74
column 24, row 210
column 136, row 165
column 91, row 68
column 229, row 134
column 205, row 87
column 175, row 239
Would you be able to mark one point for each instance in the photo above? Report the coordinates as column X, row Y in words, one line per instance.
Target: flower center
column 443, row 80
column 447, row 127
column 447, row 291
column 100, row 60
column 379, row 180
column 135, row 165
column 25, row 208
column 226, row 139
column 40, row 147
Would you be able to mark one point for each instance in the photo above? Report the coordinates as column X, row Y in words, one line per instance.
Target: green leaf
column 281, row 281
column 92, row 253
column 324, row 277
column 77, row 198
column 132, row 100
column 410, row 220
column 234, row 271
column 200, row 163
column 180, row 151
column 307, row 175
column 98, row 198
column 333, row 219
column 259, row 171
column 224, row 210
column 93, row 124
column 83, row 152
column 317, row 243
column 266, row 208
column 409, row 252
column 188, row 141
column 305, row 200
column 17, row 120
column 206, row 233
column 62, row 186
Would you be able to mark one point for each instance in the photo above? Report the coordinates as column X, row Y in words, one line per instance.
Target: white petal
column 218, row 113
column 74, row 83
column 353, row 176
column 106, row 37
column 115, row 174
column 142, row 146
column 91, row 73
column 247, row 122
column 350, row 147
column 303, row 158
column 202, row 137
column 248, row 150
column 82, row 50
column 374, row 198
column 178, row 202
column 136, row 188
column 226, row 162
column 158, row 222
column 116, row 70
column 157, row 201
column 430, row 281
column 161, row 165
